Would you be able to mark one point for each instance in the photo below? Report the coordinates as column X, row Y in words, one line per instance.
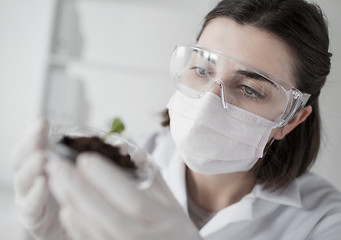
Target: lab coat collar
column 289, row 196
column 245, row 209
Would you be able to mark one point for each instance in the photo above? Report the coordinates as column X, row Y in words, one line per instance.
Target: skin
column 265, row 51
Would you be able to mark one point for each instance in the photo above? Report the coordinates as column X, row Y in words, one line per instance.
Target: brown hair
column 301, row 25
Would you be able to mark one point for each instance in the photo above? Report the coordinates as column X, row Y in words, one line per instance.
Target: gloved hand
column 98, row 201
column 37, row 208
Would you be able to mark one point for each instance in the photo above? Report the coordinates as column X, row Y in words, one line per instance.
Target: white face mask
column 212, row 140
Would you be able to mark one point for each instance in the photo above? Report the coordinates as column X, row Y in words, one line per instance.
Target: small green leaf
column 117, row 126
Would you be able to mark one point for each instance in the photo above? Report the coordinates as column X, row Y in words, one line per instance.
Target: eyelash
column 256, row 98
column 197, row 69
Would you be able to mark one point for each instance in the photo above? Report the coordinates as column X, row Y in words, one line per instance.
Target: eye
column 250, row 92
column 201, row 71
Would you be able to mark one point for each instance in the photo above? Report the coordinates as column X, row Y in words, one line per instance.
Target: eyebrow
column 255, row 76
column 245, row 73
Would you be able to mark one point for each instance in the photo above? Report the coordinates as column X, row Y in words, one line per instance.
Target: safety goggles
column 197, row 70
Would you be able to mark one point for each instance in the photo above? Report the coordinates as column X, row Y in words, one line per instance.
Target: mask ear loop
column 267, row 146
column 271, row 141
column 222, row 92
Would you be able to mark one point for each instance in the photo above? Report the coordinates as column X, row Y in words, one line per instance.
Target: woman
column 244, row 130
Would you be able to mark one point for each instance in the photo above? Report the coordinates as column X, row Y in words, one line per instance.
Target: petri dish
column 145, row 170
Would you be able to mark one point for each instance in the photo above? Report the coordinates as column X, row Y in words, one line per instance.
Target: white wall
column 328, row 163
column 24, row 31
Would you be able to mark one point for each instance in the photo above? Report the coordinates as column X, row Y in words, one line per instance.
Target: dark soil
column 96, row 144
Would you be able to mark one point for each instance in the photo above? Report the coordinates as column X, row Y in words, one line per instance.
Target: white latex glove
column 98, row 201
column 37, row 209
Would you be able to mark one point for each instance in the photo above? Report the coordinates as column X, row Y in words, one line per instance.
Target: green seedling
column 116, row 127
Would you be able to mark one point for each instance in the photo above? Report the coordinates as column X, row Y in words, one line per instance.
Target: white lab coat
column 310, row 208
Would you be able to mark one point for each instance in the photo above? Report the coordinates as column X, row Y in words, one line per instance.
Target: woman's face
column 253, row 46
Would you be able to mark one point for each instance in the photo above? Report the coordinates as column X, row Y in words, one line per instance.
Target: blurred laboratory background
column 87, row 61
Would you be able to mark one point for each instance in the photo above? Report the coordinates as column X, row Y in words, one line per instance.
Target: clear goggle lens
column 197, row 70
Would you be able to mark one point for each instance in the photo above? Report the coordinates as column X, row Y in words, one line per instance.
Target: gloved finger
column 35, row 138
column 123, row 148
column 30, row 169
column 120, row 190
column 74, row 226
column 74, row 192
column 63, row 179
column 79, row 226
column 32, row 205
column 140, row 158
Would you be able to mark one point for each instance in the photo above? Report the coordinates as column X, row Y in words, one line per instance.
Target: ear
column 300, row 117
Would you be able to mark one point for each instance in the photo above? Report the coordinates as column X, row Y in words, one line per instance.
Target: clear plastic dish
column 143, row 175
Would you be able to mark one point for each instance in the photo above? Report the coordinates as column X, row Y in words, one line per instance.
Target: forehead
column 250, row 45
